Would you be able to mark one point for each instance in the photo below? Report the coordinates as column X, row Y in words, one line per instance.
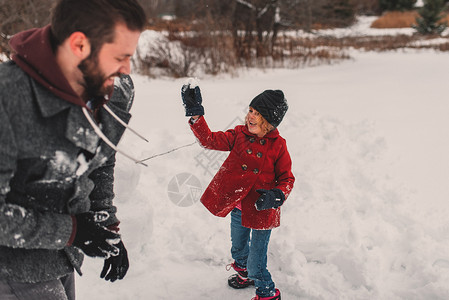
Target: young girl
column 252, row 183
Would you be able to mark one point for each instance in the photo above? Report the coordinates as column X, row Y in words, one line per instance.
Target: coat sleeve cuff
column 193, row 121
column 72, row 236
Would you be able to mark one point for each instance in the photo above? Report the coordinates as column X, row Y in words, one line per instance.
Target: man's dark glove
column 92, row 238
column 191, row 97
column 115, row 267
column 269, row 199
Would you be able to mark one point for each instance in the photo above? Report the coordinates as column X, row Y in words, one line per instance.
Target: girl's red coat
column 254, row 163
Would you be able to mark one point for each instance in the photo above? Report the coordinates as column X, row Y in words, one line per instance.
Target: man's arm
column 20, row 227
column 102, row 196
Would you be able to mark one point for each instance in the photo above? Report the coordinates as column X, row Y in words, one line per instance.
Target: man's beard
column 94, row 80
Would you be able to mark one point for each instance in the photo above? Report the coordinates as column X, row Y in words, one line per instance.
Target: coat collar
column 49, row 104
column 270, row 135
column 78, row 130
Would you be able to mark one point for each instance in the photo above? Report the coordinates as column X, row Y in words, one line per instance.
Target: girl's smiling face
column 254, row 122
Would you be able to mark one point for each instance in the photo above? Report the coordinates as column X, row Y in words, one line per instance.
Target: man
column 56, row 173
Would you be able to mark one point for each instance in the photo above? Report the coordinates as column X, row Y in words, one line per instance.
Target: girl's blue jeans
column 249, row 249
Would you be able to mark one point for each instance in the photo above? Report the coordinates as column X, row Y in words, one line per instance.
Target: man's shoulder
column 10, row 72
column 14, row 83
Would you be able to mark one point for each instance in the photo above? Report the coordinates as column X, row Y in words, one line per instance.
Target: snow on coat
column 253, row 163
column 52, row 166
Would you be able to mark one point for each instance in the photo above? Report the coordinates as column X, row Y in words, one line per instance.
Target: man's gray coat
column 52, row 166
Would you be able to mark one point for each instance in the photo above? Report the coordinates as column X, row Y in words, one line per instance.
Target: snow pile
column 156, row 50
column 3, row 57
column 430, row 42
column 362, row 27
column 351, row 239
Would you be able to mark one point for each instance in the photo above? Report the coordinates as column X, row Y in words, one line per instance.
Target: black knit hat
column 272, row 105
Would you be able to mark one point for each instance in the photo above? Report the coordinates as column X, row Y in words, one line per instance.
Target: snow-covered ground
column 363, row 28
column 368, row 217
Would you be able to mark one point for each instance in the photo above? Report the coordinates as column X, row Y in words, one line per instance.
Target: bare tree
column 155, row 8
column 255, row 26
column 367, row 7
column 301, row 13
column 19, row 15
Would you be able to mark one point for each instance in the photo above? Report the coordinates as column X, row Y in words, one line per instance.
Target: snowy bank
column 367, row 218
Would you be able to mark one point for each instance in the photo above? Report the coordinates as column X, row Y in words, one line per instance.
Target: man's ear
column 79, row 44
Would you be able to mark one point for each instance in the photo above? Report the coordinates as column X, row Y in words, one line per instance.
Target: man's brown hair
column 96, row 19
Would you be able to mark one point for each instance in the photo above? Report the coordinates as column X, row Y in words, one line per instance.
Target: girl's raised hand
column 191, row 98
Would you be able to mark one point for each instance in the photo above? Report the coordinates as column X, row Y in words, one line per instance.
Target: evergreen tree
column 430, row 15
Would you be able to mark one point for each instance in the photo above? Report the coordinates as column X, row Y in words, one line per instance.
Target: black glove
column 269, row 199
column 115, row 267
column 191, row 97
column 92, row 238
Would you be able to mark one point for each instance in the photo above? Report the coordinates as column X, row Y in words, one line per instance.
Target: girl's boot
column 239, row 280
column 276, row 296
